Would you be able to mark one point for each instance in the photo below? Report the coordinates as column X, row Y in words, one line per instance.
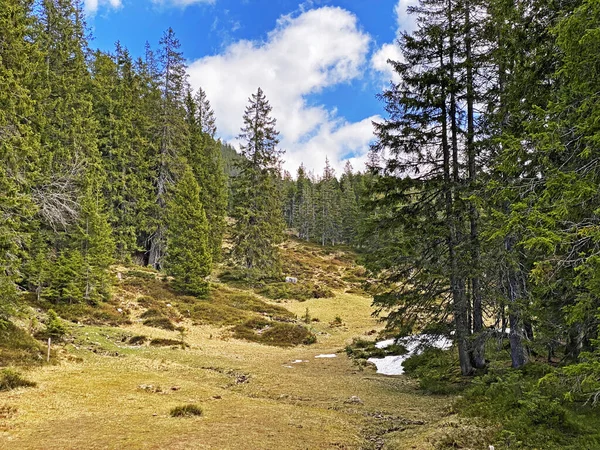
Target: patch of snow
column 386, row 343
column 298, row 361
column 288, row 367
column 392, row 365
column 327, row 356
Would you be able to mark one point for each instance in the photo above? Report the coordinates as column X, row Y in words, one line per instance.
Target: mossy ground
column 253, row 396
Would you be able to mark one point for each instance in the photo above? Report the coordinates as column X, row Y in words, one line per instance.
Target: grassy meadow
column 106, row 390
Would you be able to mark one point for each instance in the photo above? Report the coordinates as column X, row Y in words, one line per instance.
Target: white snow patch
column 298, row 361
column 386, row 343
column 392, row 365
column 327, row 356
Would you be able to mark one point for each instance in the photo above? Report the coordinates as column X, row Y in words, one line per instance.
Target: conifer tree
column 204, row 156
column 18, row 143
column 172, row 134
column 188, row 258
column 205, row 114
column 258, row 204
column 349, row 211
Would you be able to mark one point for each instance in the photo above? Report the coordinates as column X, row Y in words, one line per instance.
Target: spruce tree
column 188, row 258
column 204, row 156
column 19, row 145
column 171, row 135
column 258, row 205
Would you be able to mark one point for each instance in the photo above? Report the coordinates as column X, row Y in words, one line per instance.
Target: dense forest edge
column 476, row 218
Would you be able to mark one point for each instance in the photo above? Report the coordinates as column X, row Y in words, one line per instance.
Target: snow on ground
column 326, row 356
column 392, row 365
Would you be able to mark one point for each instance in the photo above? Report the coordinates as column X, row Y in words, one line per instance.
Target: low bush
column 160, row 322
column 437, row 370
column 11, row 379
column 190, row 410
column 296, row 291
column 274, row 333
column 137, row 340
column 161, row 342
column 55, row 328
column 18, row 347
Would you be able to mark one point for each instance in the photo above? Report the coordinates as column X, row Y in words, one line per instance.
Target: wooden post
column 49, row 342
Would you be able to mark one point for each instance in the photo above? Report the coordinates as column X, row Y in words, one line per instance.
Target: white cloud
column 91, row 6
column 406, row 22
column 303, row 55
column 379, row 61
column 391, row 51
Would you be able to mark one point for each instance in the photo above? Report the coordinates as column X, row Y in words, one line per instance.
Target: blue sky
column 320, row 62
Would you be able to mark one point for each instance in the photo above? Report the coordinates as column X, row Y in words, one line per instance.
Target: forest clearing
column 102, row 392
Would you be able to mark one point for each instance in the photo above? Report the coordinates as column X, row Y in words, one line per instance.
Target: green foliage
column 300, row 291
column 273, row 333
column 11, row 379
column 257, row 209
column 54, row 326
column 17, row 347
column 188, row 257
column 163, row 342
column 437, row 371
column 160, row 322
column 190, row 410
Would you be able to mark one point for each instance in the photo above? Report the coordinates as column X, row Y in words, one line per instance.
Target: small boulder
column 354, row 400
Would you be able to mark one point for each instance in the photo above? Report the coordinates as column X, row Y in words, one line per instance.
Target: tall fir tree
column 258, row 205
column 188, row 258
column 172, row 135
column 19, row 145
column 204, row 156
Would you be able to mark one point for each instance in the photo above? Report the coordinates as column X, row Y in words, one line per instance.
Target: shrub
column 54, row 326
column 190, row 410
column 137, row 340
column 274, row 333
column 18, row 347
column 437, row 370
column 160, row 342
column 160, row 322
column 11, row 379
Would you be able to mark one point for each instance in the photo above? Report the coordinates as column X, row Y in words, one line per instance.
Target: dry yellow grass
column 95, row 402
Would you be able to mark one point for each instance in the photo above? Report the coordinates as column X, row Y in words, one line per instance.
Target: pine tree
column 205, row 115
column 350, row 214
column 258, row 205
column 204, row 156
column 18, row 142
column 418, row 200
column 188, row 258
column 328, row 207
column 172, row 135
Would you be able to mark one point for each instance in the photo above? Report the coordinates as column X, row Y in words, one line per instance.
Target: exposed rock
column 354, row 400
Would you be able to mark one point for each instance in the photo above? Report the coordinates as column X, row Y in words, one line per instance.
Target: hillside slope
column 113, row 386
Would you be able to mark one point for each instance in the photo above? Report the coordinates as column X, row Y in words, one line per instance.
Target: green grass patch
column 11, row 379
column 162, row 342
column 160, row 322
column 190, row 410
column 296, row 291
column 17, row 347
column 274, row 333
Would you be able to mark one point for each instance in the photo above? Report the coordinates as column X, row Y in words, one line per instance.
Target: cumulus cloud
column 91, row 6
column 391, row 51
column 302, row 56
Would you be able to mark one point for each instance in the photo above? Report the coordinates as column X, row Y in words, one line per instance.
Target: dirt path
column 253, row 396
